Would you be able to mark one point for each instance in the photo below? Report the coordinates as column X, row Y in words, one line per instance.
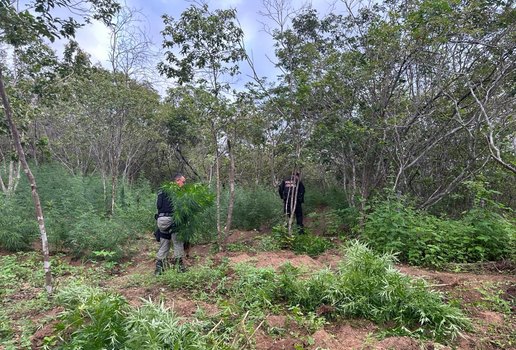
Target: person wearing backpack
column 168, row 231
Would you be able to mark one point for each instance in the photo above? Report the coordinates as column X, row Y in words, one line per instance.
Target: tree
column 19, row 28
column 406, row 94
column 209, row 45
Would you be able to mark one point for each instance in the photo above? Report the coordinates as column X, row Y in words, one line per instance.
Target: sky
column 94, row 38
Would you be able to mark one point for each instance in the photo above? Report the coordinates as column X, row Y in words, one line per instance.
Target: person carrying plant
column 168, row 230
column 292, row 191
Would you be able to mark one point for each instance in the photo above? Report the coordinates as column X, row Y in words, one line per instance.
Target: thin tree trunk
column 231, row 201
column 114, row 183
column 32, row 182
column 217, row 185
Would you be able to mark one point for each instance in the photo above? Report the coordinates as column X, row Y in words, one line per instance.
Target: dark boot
column 179, row 264
column 187, row 247
column 159, row 267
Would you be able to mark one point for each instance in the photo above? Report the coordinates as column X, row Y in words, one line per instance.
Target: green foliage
column 307, row 243
column 334, row 222
column 19, row 268
column 18, row 229
column 494, row 300
column 197, row 278
column 374, row 289
column 255, row 208
column 6, row 330
column 94, row 233
column 332, row 197
column 189, row 201
column 93, row 319
column 75, row 216
column 422, row 239
column 283, row 237
column 207, row 41
column 152, row 326
column 268, row 243
column 255, row 288
column 365, row 285
column 310, row 244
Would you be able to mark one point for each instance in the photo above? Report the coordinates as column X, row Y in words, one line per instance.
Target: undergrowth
column 365, row 285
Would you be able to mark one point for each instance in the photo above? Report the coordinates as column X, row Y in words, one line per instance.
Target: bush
column 316, row 197
column 152, row 326
column 197, row 278
column 255, row 208
column 310, row 244
column 93, row 233
column 335, row 222
column 422, row 239
column 75, row 214
column 94, row 319
column 18, row 227
column 365, row 285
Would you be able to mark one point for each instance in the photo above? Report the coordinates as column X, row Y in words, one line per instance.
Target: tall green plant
column 17, row 230
column 189, row 202
column 423, row 239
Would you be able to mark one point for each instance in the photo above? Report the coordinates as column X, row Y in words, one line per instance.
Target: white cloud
column 94, row 39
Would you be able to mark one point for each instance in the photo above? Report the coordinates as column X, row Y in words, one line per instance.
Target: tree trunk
column 231, row 201
column 217, row 185
column 32, row 182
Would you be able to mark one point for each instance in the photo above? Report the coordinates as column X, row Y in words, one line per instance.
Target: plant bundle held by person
column 179, row 206
column 292, row 191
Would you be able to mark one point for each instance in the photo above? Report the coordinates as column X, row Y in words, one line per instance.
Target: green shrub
column 423, row 239
column 152, row 326
column 70, row 204
column 310, row 244
column 491, row 236
column 283, row 237
column 255, row 207
column 365, row 285
column 375, row 290
column 196, row 278
column 317, row 196
column 18, row 226
column 93, row 319
column 268, row 243
column 255, row 288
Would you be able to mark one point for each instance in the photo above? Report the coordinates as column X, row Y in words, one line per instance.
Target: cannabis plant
column 189, row 202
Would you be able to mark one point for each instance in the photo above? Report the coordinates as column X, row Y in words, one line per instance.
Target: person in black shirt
column 168, row 230
column 292, row 191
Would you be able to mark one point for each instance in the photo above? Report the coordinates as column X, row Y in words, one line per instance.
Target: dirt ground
column 481, row 295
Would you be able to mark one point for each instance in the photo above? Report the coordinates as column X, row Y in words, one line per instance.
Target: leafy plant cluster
column 96, row 319
column 17, row 230
column 334, row 222
column 419, row 238
column 75, row 214
column 365, row 285
column 255, row 208
column 332, row 197
column 189, row 201
column 307, row 243
column 201, row 279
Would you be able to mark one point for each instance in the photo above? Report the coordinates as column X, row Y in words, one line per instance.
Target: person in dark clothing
column 168, row 231
column 292, row 191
